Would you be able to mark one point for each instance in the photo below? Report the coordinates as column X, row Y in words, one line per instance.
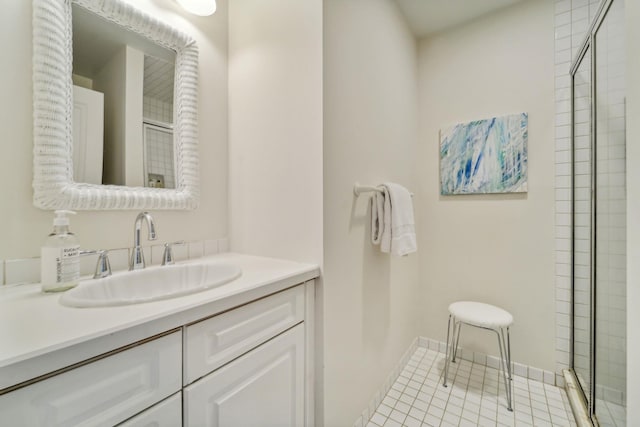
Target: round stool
column 484, row 316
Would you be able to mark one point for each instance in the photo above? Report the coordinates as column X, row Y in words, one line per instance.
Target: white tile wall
column 210, row 247
column 223, row 245
column 119, row 259
column 23, row 271
column 196, row 249
column 157, row 110
column 19, row 271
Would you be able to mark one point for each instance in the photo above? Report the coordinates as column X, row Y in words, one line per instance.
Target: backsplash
column 27, row 270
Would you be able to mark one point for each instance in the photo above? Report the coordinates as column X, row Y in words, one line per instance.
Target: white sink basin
column 150, row 284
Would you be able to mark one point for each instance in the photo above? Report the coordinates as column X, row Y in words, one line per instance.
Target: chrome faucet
column 167, row 256
column 103, row 266
column 137, row 256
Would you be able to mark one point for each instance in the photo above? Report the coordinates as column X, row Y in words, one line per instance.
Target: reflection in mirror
column 123, row 92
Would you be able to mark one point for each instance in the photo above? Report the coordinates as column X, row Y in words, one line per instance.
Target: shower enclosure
column 599, row 219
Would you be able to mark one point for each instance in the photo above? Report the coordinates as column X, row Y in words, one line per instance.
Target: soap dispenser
column 60, row 262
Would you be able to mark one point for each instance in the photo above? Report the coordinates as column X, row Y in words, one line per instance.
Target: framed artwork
column 485, row 156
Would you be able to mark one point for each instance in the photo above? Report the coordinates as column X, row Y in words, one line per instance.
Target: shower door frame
column 587, row 46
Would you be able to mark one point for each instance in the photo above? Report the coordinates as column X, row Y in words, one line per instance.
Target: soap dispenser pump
column 60, row 262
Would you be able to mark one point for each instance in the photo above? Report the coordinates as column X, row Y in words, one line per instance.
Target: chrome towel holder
column 359, row 189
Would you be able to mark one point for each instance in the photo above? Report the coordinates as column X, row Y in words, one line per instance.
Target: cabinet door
column 167, row 413
column 263, row 388
column 102, row 393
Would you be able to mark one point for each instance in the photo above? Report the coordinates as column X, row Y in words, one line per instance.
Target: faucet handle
column 103, row 266
column 167, row 256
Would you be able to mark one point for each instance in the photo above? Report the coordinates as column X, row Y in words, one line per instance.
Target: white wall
column 492, row 248
column 275, row 128
column 370, row 128
column 23, row 228
column 633, row 210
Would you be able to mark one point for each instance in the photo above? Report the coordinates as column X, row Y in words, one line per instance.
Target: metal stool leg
column 509, row 355
column 506, row 370
column 457, row 341
column 507, row 345
column 446, row 357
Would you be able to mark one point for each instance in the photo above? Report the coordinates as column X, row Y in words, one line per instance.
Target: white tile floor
column 475, row 397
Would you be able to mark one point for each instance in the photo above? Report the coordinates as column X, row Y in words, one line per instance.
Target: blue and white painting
column 485, row 156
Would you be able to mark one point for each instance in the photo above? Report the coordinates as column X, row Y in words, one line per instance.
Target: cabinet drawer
column 167, row 413
column 213, row 342
column 105, row 392
column 264, row 387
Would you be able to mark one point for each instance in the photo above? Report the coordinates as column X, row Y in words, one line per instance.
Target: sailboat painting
column 485, row 156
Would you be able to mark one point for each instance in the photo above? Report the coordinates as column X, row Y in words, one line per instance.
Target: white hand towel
column 377, row 215
column 385, row 239
column 392, row 222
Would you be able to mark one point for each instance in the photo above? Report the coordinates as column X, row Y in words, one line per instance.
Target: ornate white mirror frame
column 53, row 184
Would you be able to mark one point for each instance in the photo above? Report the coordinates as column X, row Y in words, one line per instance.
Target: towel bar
column 359, row 189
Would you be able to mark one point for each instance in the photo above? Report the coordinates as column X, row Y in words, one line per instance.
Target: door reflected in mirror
column 123, row 93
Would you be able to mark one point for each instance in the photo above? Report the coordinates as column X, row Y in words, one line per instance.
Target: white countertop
column 39, row 335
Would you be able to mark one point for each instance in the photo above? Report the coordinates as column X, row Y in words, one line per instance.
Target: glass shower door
column 610, row 218
column 599, row 218
column 583, row 231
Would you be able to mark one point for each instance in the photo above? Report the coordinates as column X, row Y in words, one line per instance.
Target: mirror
column 116, row 70
column 115, row 109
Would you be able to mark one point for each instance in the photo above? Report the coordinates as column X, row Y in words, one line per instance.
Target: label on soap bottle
column 60, row 267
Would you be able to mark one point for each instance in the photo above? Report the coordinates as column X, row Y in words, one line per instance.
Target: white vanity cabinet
column 250, row 364
column 101, row 393
column 263, row 383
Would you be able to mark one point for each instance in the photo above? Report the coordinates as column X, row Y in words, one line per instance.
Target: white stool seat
column 485, row 316
column 480, row 314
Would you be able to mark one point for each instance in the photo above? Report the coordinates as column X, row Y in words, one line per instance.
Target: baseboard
column 519, row 369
